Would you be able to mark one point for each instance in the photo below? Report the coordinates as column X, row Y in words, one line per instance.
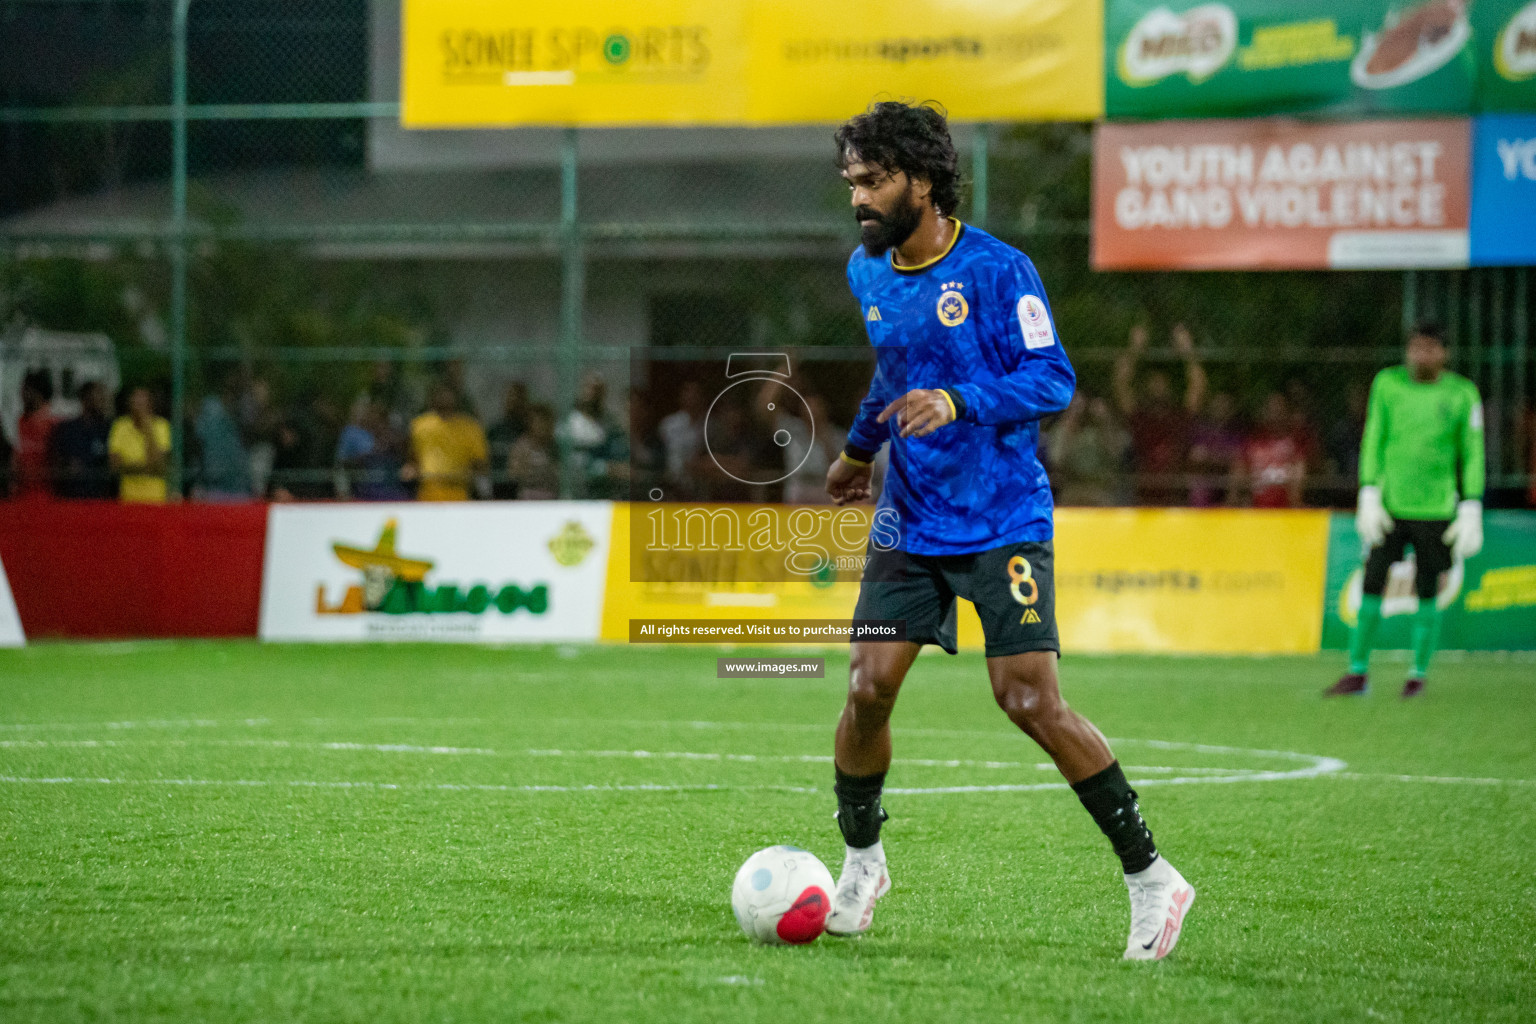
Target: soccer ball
column 782, row 895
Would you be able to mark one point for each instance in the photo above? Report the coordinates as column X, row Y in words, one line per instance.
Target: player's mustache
column 868, row 213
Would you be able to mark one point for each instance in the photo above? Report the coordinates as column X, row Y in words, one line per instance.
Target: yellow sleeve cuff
column 851, row 460
column 953, row 414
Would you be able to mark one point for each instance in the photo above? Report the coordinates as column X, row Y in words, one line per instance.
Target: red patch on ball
column 807, row 918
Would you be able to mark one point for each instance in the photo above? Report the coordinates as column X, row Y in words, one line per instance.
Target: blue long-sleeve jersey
column 975, row 322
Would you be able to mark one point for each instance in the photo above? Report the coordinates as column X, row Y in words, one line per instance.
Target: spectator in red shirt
column 1159, row 425
column 1216, row 446
column 34, row 434
column 1274, row 462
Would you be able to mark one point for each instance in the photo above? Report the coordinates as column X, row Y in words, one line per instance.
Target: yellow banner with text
column 1132, row 580
column 488, row 63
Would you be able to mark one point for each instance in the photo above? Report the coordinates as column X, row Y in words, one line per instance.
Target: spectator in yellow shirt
column 139, row 447
column 448, row 449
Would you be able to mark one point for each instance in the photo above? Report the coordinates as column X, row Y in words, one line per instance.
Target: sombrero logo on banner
column 395, row 584
column 1514, row 52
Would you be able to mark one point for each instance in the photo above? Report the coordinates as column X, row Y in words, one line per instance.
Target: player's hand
column 1465, row 534
column 1371, row 520
column 847, row 482
column 919, row 412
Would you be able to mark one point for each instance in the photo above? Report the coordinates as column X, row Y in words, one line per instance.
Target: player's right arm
column 1372, row 522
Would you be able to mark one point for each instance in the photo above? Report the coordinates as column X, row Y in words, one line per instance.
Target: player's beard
column 889, row 230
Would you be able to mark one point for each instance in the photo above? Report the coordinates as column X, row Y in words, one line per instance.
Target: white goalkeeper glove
column 1465, row 534
column 1371, row 520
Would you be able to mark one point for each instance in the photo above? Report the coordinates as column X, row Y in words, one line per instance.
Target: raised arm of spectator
column 1194, row 373
column 1125, row 371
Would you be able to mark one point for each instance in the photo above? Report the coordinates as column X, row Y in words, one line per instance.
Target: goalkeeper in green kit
column 1421, row 486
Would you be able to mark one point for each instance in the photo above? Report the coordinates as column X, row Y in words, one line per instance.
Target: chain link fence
column 222, row 189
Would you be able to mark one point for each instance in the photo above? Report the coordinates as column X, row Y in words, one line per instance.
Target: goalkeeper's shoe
column 1351, row 684
column 863, row 881
column 1413, row 687
column 1159, row 900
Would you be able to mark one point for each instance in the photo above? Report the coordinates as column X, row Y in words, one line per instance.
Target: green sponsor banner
column 1249, row 57
column 1505, row 34
column 1489, row 604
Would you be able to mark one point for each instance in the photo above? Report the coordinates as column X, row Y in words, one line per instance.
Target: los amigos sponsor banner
column 1346, row 57
column 1281, row 194
column 486, row 63
column 11, row 634
column 476, row 571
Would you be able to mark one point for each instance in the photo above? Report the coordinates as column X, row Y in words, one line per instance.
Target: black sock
column 1112, row 802
column 859, row 813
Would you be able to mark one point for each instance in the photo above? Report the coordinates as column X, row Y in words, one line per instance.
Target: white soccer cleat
column 1159, row 900
column 863, row 881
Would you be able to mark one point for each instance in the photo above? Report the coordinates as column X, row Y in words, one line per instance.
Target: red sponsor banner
column 1281, row 194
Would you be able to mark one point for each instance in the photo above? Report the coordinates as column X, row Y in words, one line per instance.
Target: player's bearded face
column 885, row 229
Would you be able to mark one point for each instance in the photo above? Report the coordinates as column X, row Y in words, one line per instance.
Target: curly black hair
column 908, row 137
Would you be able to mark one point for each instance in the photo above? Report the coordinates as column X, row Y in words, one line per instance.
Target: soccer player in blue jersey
column 967, row 363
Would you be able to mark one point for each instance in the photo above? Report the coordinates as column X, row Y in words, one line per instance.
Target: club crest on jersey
column 952, row 306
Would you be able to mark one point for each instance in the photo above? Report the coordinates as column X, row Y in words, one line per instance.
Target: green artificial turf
column 341, row 833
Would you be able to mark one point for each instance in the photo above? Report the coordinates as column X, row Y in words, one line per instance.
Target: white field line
column 451, row 787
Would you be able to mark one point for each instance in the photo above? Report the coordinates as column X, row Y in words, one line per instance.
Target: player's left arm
column 1040, row 380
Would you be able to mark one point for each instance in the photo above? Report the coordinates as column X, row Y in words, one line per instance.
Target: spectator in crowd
column 1159, row 425
column 370, row 453
column 812, row 447
column 138, row 448
column 448, row 448
column 1274, row 462
column 597, row 444
column 647, row 458
column 79, row 451
column 682, row 439
column 1216, row 446
column 1341, row 446
column 721, row 471
column 34, row 435
column 226, row 465
column 307, row 448
column 500, row 437
column 259, row 423
column 534, row 463
column 1086, row 449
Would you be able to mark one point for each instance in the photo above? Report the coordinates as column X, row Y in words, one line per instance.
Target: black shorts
column 1013, row 588
column 1431, row 555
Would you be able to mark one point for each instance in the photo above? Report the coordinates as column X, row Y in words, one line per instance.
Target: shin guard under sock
column 1112, row 802
column 859, row 813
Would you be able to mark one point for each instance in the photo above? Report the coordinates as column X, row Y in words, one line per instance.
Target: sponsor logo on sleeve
column 1035, row 322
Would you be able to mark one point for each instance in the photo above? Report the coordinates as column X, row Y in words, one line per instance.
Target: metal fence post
column 572, row 295
column 979, row 160
column 177, row 467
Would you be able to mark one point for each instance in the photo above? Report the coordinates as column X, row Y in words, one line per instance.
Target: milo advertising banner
column 1488, row 603
column 477, row 571
column 1345, row 57
column 1505, row 31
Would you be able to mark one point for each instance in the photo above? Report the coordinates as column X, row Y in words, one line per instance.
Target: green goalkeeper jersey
column 1417, row 437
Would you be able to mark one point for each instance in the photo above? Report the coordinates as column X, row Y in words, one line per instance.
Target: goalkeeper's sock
column 1426, row 636
column 1364, row 633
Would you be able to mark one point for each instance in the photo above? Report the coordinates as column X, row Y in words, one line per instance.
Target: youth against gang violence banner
column 471, row 571
column 488, row 63
column 1504, row 190
column 1281, row 194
